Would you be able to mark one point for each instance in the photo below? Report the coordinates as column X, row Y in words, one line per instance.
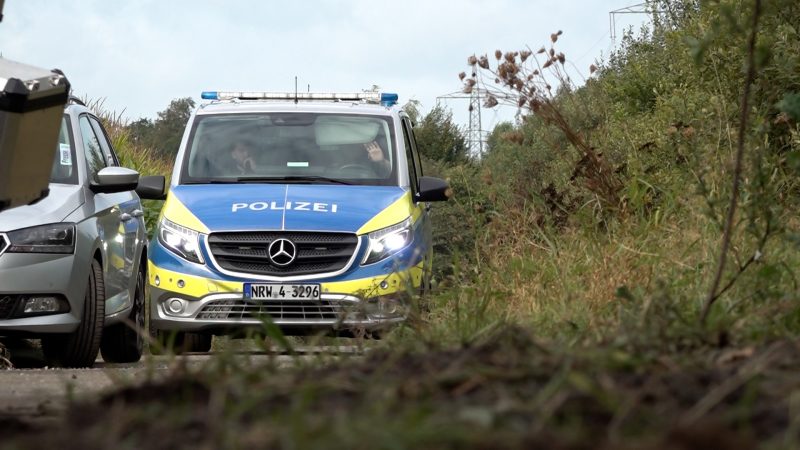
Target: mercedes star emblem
column 282, row 252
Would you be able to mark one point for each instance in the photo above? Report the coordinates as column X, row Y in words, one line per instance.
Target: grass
column 507, row 389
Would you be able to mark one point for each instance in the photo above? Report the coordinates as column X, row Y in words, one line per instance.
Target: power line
column 639, row 8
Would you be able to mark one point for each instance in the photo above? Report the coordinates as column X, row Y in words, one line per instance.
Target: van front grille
column 315, row 252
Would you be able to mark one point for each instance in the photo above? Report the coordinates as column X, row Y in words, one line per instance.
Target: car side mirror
column 152, row 187
column 115, row 179
column 433, row 189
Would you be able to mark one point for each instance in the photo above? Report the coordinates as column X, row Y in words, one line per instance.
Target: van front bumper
column 183, row 302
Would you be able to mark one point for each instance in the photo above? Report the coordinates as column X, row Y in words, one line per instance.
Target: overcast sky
column 139, row 55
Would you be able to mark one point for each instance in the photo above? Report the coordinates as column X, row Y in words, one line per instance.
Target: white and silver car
column 73, row 266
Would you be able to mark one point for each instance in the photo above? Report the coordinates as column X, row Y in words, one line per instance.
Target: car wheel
column 121, row 343
column 80, row 348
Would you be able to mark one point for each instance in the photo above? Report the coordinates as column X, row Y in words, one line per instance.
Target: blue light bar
column 388, row 99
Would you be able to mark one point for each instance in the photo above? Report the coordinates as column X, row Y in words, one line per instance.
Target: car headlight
column 51, row 238
column 388, row 241
column 180, row 240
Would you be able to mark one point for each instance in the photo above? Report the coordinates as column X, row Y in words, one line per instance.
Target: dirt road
column 33, row 393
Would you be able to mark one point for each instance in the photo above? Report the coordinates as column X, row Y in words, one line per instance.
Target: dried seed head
column 490, row 102
column 471, row 82
column 554, row 37
column 552, row 52
column 523, row 55
column 498, row 54
column 461, row 76
column 540, row 51
column 592, row 69
column 536, row 71
column 522, row 100
column 547, row 64
column 483, row 62
column 468, row 90
column 472, row 60
column 497, row 80
column 561, row 58
column 510, row 57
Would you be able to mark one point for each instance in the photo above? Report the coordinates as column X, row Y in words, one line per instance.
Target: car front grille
column 317, row 253
column 300, row 311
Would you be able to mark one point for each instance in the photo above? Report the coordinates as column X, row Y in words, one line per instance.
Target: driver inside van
column 241, row 154
column 376, row 157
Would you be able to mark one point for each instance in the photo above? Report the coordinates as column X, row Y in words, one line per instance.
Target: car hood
column 62, row 200
column 247, row 207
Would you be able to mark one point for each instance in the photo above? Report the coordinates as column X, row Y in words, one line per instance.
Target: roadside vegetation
column 575, row 302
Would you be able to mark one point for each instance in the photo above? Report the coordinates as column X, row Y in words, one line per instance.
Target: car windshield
column 64, row 167
column 291, row 148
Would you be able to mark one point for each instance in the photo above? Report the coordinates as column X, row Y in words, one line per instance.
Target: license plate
column 263, row 291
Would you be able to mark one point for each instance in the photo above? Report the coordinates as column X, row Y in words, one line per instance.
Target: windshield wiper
column 291, row 179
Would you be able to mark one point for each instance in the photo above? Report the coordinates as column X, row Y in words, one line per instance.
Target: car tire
column 121, row 343
column 80, row 348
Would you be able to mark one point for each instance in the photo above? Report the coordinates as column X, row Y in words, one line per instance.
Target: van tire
column 179, row 342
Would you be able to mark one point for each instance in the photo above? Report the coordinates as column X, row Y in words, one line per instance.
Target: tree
column 163, row 134
column 141, row 132
column 168, row 128
column 438, row 138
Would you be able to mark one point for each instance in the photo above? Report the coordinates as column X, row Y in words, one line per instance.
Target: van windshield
column 291, row 148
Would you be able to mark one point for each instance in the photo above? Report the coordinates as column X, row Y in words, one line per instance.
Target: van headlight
column 180, row 240
column 51, row 238
column 388, row 241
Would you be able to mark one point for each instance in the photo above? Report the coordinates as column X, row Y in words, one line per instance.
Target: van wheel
column 121, row 343
column 178, row 342
column 80, row 348
column 196, row 342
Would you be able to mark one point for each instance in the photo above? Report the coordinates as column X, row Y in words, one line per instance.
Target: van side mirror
column 433, row 189
column 152, row 187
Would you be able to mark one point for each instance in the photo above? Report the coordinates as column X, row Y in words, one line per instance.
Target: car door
column 107, row 215
column 414, row 173
column 131, row 217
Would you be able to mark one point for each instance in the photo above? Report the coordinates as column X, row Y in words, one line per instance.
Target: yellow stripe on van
column 193, row 285
column 176, row 212
column 410, row 279
column 199, row 287
column 393, row 214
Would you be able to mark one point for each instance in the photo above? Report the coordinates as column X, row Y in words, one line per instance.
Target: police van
column 309, row 211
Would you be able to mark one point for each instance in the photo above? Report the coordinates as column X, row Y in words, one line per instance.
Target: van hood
column 301, row 207
column 59, row 203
